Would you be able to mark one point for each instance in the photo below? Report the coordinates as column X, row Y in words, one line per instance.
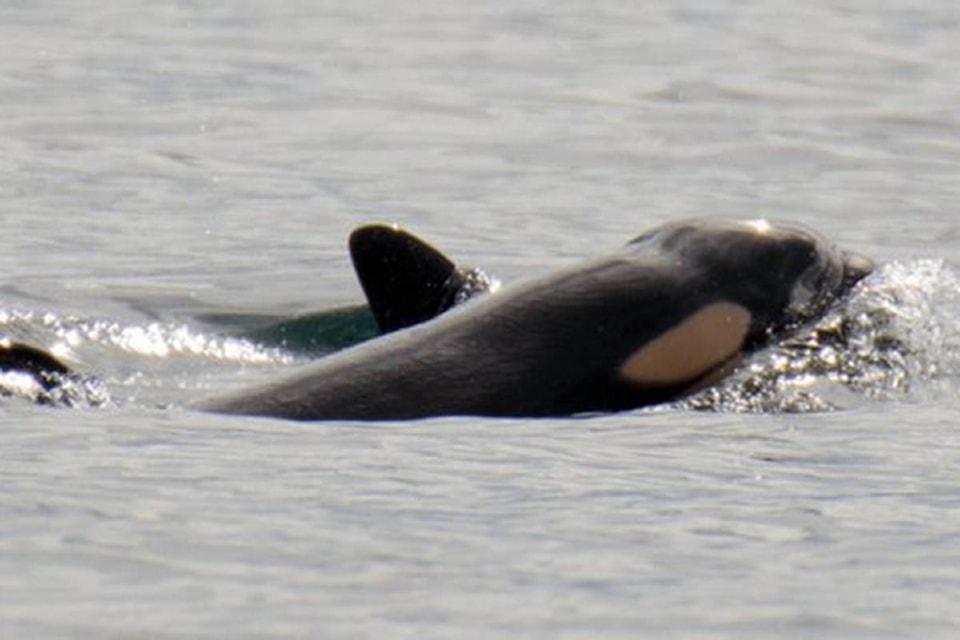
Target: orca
column 669, row 313
column 406, row 281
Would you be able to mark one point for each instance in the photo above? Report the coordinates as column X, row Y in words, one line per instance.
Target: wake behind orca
column 671, row 312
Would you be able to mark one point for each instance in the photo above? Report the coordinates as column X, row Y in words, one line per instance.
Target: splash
column 476, row 283
column 155, row 340
column 61, row 390
column 121, row 348
column 896, row 338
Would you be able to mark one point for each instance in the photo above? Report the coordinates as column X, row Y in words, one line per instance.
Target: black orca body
column 668, row 313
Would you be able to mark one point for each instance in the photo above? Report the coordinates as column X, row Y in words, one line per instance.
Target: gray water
column 162, row 161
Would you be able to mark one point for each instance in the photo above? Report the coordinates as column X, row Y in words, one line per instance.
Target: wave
column 897, row 337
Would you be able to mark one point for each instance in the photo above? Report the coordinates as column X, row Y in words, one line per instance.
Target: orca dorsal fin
column 38, row 364
column 406, row 280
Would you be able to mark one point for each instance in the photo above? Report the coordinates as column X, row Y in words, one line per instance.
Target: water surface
column 166, row 161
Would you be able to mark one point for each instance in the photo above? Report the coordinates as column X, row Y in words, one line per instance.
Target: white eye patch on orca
column 697, row 345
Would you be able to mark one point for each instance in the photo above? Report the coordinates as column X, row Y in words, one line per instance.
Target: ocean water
column 167, row 163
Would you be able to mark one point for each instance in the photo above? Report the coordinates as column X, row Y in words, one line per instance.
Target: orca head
column 799, row 264
column 743, row 282
column 784, row 274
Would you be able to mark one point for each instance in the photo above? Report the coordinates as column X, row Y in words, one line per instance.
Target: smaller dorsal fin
column 406, row 280
column 22, row 358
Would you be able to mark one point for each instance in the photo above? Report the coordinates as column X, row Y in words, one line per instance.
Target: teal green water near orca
column 310, row 334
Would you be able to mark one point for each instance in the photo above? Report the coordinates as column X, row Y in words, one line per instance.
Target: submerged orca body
column 670, row 312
